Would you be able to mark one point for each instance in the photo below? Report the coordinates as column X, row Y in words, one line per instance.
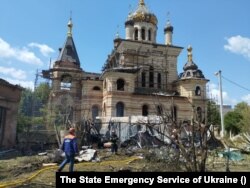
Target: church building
column 139, row 79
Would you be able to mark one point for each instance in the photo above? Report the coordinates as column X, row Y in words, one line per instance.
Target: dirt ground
column 28, row 171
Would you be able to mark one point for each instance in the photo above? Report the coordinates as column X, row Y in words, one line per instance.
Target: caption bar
column 152, row 178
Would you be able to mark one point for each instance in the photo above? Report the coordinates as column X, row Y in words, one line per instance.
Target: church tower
column 141, row 25
column 192, row 84
column 66, row 81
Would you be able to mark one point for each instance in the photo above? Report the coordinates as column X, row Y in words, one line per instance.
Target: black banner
column 159, row 179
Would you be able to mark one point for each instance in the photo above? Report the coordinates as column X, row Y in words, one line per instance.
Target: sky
column 32, row 31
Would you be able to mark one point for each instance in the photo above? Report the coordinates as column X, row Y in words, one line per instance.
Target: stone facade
column 140, row 77
column 9, row 100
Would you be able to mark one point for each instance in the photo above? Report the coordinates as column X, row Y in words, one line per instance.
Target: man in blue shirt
column 70, row 148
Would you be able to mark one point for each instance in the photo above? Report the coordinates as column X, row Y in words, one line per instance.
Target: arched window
column 95, row 112
column 120, row 84
column 143, row 34
column 145, row 110
column 174, row 113
column 199, row 114
column 159, row 80
column 119, row 109
column 151, row 77
column 136, row 34
column 143, row 79
column 198, row 91
column 66, row 82
column 149, row 34
column 96, row 88
column 159, row 110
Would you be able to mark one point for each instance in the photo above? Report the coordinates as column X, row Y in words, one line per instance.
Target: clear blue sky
column 31, row 31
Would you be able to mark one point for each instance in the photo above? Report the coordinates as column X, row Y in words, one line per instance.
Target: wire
column 242, row 87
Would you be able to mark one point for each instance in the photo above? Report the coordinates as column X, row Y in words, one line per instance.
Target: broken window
column 145, row 110
column 120, row 84
column 66, row 81
column 119, row 109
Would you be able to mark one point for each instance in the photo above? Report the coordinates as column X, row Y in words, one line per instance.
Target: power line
column 242, row 87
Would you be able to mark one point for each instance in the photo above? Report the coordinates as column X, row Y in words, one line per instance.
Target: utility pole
column 221, row 104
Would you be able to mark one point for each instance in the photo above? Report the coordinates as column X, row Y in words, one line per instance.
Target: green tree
column 245, row 121
column 231, row 121
column 240, row 107
column 244, row 109
column 42, row 92
column 32, row 107
column 213, row 115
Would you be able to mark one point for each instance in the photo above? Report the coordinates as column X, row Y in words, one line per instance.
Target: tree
column 32, row 107
column 213, row 115
column 231, row 121
column 244, row 110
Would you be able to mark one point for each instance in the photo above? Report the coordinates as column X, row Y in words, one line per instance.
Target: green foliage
column 42, row 92
column 245, row 121
column 231, row 121
column 213, row 115
column 238, row 120
column 32, row 107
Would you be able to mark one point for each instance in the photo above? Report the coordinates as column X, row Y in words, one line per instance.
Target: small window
column 149, row 35
column 119, row 109
column 151, row 77
column 159, row 80
column 66, row 82
column 143, row 34
column 95, row 112
column 96, row 88
column 145, row 110
column 198, row 91
column 120, row 84
column 136, row 34
column 143, row 79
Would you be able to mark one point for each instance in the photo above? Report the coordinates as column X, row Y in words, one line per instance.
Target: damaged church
column 139, row 81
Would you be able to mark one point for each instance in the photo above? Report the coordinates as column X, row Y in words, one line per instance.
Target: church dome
column 142, row 14
column 190, row 68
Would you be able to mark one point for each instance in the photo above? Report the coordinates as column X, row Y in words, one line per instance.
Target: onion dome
column 142, row 14
column 190, row 68
column 168, row 27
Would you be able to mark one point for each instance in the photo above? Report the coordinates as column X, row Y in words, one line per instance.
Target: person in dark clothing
column 70, row 148
column 114, row 140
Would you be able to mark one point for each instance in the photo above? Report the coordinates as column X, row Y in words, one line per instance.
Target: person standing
column 114, row 140
column 70, row 148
